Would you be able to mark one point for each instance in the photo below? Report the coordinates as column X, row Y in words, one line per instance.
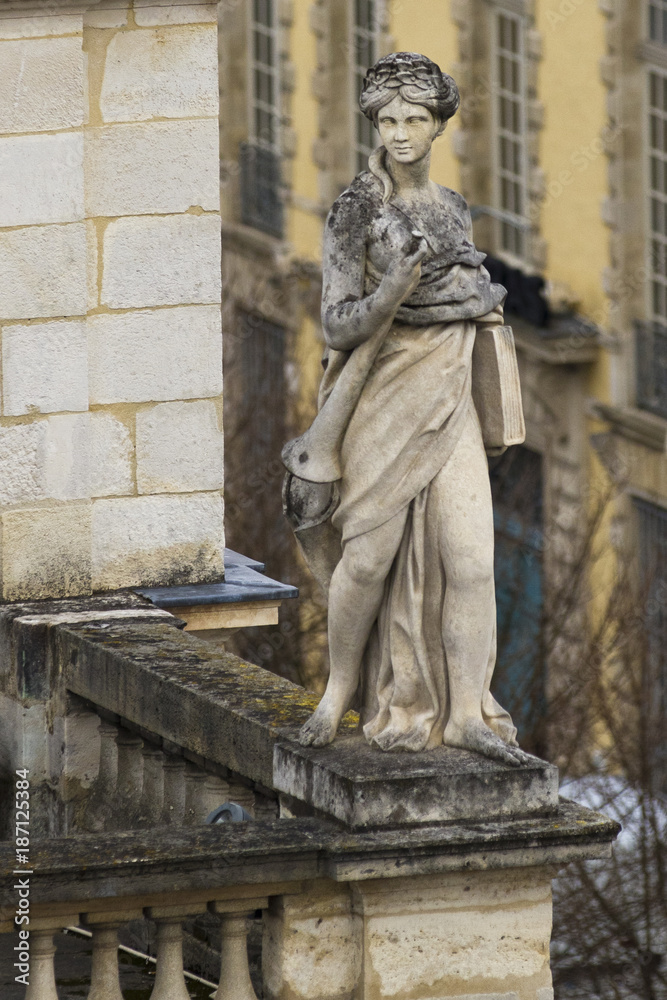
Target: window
column 365, row 52
column 264, row 85
column 657, row 13
column 509, row 127
column 254, row 358
column 657, row 85
column 261, row 204
column 519, row 680
column 651, row 337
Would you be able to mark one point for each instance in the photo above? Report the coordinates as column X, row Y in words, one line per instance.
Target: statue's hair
column 416, row 78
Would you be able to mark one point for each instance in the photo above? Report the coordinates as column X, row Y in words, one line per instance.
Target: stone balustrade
column 466, row 909
column 385, row 877
column 144, row 782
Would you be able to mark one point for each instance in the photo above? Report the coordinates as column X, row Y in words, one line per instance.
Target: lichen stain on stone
column 174, row 657
column 171, row 566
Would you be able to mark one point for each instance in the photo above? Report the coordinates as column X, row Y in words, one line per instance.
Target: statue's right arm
column 349, row 317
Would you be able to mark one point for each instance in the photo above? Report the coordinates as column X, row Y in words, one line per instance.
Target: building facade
column 560, row 149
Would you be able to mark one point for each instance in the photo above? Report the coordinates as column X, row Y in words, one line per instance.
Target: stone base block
column 362, row 786
column 461, row 936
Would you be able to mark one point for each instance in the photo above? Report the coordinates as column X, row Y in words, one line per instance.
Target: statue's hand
column 403, row 274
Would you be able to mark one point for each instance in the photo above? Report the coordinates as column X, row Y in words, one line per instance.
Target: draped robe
column 406, row 423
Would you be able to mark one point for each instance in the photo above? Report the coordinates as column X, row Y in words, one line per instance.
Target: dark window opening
column 519, row 681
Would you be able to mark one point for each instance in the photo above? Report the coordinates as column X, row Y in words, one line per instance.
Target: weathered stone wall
column 110, row 428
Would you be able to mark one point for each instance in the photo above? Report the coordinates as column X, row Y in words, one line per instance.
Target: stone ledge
column 636, row 425
column 363, row 787
column 206, row 859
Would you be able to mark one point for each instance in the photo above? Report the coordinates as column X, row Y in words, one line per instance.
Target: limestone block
column 485, row 934
column 65, row 459
column 179, row 448
column 42, row 272
column 44, row 368
column 41, row 84
column 46, row 552
column 41, row 179
column 21, row 467
column 164, row 73
column 111, row 453
column 151, row 12
column 155, row 355
column 15, row 26
column 48, row 459
column 92, row 260
column 170, row 260
column 152, row 168
column 157, row 540
column 312, row 945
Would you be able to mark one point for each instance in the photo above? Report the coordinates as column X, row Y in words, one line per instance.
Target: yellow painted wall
column 304, row 227
column 572, row 155
column 426, row 26
column 571, row 147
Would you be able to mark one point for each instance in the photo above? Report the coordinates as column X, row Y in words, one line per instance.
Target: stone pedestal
column 363, row 787
column 459, row 935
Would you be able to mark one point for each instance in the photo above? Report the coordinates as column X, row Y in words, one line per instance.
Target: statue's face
column 407, row 130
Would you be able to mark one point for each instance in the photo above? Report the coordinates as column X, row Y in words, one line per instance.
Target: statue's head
column 416, row 79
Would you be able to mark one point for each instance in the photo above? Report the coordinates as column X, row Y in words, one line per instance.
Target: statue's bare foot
column 321, row 726
column 476, row 735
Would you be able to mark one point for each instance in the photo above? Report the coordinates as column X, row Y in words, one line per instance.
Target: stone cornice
column 636, row 425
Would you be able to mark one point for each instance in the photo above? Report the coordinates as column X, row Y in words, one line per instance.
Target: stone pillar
column 482, row 935
column 110, row 423
column 312, row 945
column 464, row 935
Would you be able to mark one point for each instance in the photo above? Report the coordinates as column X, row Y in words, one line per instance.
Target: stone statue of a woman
column 389, row 490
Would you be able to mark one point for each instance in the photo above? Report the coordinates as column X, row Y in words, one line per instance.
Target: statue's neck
column 411, row 180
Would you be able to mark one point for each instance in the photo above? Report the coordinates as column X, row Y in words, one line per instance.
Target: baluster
column 152, row 796
column 265, row 807
column 174, row 790
column 235, row 982
column 242, row 795
column 169, row 978
column 214, row 793
column 194, row 789
column 108, row 772
column 42, row 982
column 130, row 767
column 99, row 807
column 104, row 976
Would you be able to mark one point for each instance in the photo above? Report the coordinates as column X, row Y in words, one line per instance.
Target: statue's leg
column 463, row 496
column 355, row 595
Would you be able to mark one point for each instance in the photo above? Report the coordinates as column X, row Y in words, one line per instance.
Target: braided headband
column 418, row 80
